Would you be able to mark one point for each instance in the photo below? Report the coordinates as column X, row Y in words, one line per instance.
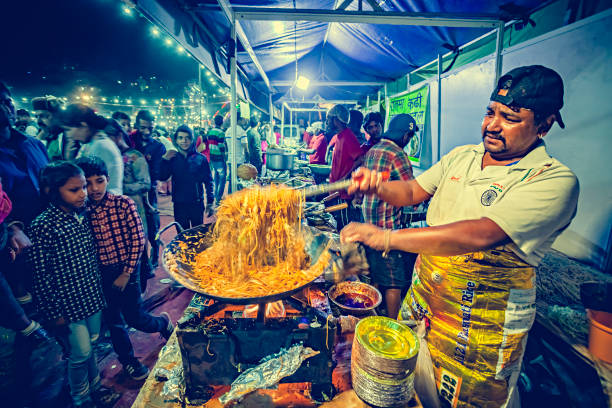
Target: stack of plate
column 383, row 358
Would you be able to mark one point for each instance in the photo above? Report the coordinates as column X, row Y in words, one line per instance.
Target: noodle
column 257, row 248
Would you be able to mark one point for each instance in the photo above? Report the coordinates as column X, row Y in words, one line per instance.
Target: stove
column 215, row 350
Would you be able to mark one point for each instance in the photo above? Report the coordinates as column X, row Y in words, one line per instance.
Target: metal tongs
column 342, row 206
column 337, row 186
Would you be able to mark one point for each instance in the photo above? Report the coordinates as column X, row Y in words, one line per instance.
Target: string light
column 155, row 31
column 127, row 11
column 168, row 42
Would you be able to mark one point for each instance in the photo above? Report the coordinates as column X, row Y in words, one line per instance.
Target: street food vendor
column 496, row 207
column 346, row 156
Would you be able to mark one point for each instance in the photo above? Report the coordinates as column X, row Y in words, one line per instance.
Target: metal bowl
column 356, row 298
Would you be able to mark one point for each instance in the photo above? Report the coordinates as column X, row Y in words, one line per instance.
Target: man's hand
column 169, row 154
column 121, row 282
column 366, row 181
column 367, row 234
column 18, row 240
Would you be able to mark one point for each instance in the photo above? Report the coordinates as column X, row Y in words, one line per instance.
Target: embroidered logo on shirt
column 455, row 178
column 488, row 197
column 497, row 187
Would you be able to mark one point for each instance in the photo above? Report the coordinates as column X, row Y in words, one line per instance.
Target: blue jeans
column 126, row 307
column 83, row 373
column 219, row 173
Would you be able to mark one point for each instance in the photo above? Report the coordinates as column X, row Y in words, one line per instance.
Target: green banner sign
column 414, row 103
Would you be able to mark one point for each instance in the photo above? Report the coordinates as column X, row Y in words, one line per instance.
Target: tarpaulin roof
column 328, row 52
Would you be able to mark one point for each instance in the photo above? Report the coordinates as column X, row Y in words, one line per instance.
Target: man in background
column 153, row 151
column 254, row 142
column 391, row 273
column 218, row 157
column 47, row 110
column 373, row 126
column 24, row 123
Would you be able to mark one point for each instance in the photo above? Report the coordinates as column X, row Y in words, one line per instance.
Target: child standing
column 189, row 170
column 120, row 240
column 66, row 279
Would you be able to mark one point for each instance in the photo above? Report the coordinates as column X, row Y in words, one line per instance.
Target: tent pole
column 498, row 51
column 272, row 121
column 387, row 110
column 234, row 117
column 290, row 124
column 440, row 57
column 282, row 120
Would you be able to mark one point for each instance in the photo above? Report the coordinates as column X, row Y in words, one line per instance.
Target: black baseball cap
column 533, row 87
column 399, row 125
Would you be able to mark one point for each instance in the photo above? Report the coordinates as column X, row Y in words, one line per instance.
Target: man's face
column 242, row 122
column 145, row 128
column 125, row 124
column 47, row 121
column 407, row 136
column 507, row 133
column 183, row 140
column 96, row 187
column 373, row 129
column 7, row 110
column 74, row 192
column 330, row 125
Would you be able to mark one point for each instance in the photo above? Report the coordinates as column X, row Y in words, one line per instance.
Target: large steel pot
column 279, row 160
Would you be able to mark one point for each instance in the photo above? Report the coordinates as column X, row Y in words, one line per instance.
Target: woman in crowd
column 66, row 279
column 83, row 125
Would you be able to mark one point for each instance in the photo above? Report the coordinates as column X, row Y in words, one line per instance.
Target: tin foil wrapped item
column 171, row 373
column 174, row 387
column 269, row 372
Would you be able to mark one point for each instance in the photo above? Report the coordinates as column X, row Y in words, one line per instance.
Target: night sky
column 55, row 46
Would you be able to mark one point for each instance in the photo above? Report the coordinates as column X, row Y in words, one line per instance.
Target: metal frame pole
column 290, row 124
column 233, row 112
column 282, row 122
column 498, row 51
column 387, row 107
column 440, row 59
column 272, row 121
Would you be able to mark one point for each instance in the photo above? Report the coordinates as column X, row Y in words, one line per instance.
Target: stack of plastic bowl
column 384, row 356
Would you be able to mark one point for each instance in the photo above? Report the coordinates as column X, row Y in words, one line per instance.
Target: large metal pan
column 183, row 248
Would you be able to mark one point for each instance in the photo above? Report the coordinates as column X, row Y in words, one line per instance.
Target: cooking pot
column 279, row 160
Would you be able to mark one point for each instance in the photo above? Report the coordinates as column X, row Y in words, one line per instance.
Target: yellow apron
column 480, row 307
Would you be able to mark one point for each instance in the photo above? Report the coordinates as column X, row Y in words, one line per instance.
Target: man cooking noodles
column 496, row 207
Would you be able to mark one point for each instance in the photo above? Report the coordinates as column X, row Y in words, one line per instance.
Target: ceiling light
column 302, row 83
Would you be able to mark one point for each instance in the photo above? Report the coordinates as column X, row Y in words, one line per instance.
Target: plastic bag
column 424, row 377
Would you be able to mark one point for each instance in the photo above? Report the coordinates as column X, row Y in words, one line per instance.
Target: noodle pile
column 257, row 246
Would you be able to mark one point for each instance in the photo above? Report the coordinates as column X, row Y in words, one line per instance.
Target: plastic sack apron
column 480, row 307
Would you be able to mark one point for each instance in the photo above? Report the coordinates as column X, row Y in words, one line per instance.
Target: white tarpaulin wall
column 582, row 54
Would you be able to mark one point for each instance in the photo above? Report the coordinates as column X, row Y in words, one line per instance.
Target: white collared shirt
column 533, row 200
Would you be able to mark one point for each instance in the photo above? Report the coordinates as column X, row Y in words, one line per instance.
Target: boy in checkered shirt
column 119, row 236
